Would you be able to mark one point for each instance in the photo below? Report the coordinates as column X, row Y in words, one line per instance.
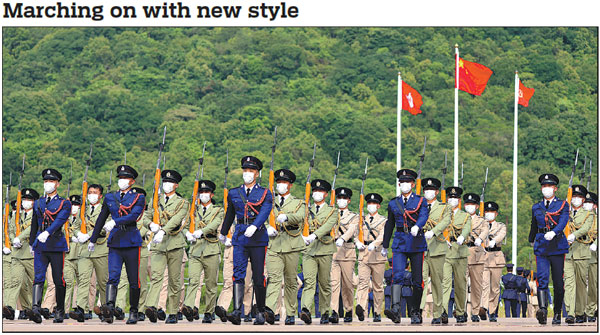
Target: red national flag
column 411, row 99
column 473, row 77
column 525, row 94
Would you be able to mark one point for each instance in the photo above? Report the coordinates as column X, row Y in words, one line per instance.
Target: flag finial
column 456, row 45
column 516, row 72
column 398, row 72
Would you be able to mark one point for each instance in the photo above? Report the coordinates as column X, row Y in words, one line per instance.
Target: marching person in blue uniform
column 124, row 241
column 548, row 220
column 251, row 204
column 522, row 290
column 408, row 213
column 48, row 244
column 509, row 294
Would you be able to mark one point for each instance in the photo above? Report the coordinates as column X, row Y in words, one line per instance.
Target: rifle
column 444, row 170
column 70, row 181
column 19, row 199
column 225, row 190
column 335, row 173
column 67, row 237
column 125, row 159
column 156, row 187
column 272, row 180
column 462, row 174
column 567, row 230
column 143, row 180
column 361, row 204
column 109, row 182
column 199, row 175
column 589, row 179
column 7, row 213
column 582, row 176
column 307, row 191
column 481, row 201
column 84, row 191
column 420, row 165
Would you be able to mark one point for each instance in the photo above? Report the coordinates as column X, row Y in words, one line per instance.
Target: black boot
column 305, row 316
column 77, row 314
column 260, row 293
column 134, row 300
column 394, row 313
column 179, row 316
column 88, row 315
column 444, row 317
column 36, row 315
column 580, row 319
column 376, row 317
column 542, row 313
column 238, row 301
column 558, row 315
column 221, row 313
column 360, row 313
column 61, row 292
column 119, row 314
column 415, row 302
column 290, row 320
column 559, row 295
column 8, row 312
column 188, row 312
column 325, row 319
column 108, row 309
column 141, row 316
column 23, row 315
column 569, row 319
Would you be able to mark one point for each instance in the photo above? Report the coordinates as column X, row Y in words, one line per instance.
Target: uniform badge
column 281, row 174
column 48, row 172
column 318, row 183
column 27, row 192
column 429, row 182
column 169, row 174
column 122, row 168
column 546, row 177
column 489, row 205
column 372, row 197
column 248, row 159
column 404, row 173
column 203, row 185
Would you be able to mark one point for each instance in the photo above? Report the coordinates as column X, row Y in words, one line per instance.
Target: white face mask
column 318, row 196
column 490, row 216
column 405, row 187
column 470, row 209
column 168, row 187
column 548, row 192
column 93, row 198
column 342, row 203
column 27, row 204
column 588, row 206
column 576, row 201
column 282, row 188
column 372, row 208
column 74, row 210
column 204, row 197
column 453, row 202
column 123, row 184
column 49, row 187
column 248, row 177
column 429, row 194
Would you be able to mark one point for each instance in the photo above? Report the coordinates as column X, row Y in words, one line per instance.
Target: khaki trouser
column 314, row 266
column 209, row 266
column 282, row 269
column 201, row 283
column 494, row 288
column 227, row 291
column 22, row 274
column 435, row 265
column 485, row 289
column 93, row 273
column 341, row 273
column 373, row 273
column 172, row 262
column 7, row 278
column 531, row 310
column 70, row 274
column 458, row 267
column 476, row 279
column 162, row 301
column 50, row 296
column 592, row 298
column 575, row 278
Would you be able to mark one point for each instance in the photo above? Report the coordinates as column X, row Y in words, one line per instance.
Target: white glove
column 429, row 234
column 158, row 237
column 154, row 227
column 492, row 243
column 250, row 231
column 74, row 239
column 371, row 246
column 593, row 247
column 17, row 243
column 272, row 232
column 228, row 242
column 222, row 238
column 91, row 247
column 339, row 242
column 109, row 225
column 359, row 245
column 43, row 236
column 6, row 251
column 571, row 238
column 384, row 252
column 281, row 218
column 31, row 250
column 190, row 237
column 448, row 244
column 549, row 235
column 414, row 230
column 198, row 233
column 478, row 242
column 460, row 240
column 309, row 239
column 83, row 237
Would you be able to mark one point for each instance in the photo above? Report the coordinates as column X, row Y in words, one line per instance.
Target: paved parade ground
column 94, row 325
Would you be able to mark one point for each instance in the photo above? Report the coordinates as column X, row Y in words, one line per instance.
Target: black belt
column 452, row 239
column 289, row 227
column 471, row 244
column 493, row 249
column 543, row 230
column 211, row 236
column 368, row 242
column 123, row 227
column 350, row 240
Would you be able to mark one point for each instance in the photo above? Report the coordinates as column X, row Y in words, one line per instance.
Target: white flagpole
column 399, row 131
column 456, row 119
column 515, row 157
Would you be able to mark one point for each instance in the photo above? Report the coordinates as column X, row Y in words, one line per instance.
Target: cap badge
column 203, row 185
column 168, row 174
column 281, row 174
column 318, row 183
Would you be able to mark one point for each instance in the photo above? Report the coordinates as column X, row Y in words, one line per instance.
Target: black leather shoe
column 88, row 315
column 290, row 320
column 415, row 319
column 77, row 314
column 591, row 319
column 542, row 316
column 35, row 315
column 474, row 318
column 179, row 316
column 221, row 313
column 348, row 316
column 269, row 316
column 277, row 317
column 444, row 317
column 133, row 316
column 161, row 314
column 8, row 312
column 235, row 317
column 23, row 314
column 260, row 318
column 107, row 313
column 248, row 317
column 376, row 317
column 305, row 316
column 580, row 319
column 325, row 319
column 493, row 317
column 461, row 318
column 119, row 314
column 59, row 316
column 207, row 318
column 556, row 319
column 171, row 319
column 483, row 313
column 152, row 314
column 197, row 314
column 392, row 315
column 46, row 313
column 141, row 316
column 360, row 313
column 436, row 321
column 188, row 312
column 334, row 318
column 570, row 319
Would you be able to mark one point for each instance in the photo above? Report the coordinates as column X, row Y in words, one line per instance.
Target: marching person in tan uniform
column 71, row 270
column 495, row 258
column 591, row 309
column 532, row 307
column 371, row 264
column 477, row 253
column 342, row 268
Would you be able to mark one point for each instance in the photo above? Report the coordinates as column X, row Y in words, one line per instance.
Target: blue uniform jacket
column 556, row 218
column 416, row 207
column 236, row 207
column 59, row 210
column 510, row 283
column 522, row 288
column 125, row 233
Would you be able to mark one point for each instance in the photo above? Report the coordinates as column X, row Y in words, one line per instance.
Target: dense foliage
column 64, row 88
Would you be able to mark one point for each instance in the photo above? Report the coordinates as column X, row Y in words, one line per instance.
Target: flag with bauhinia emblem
column 411, row 99
column 472, row 77
column 525, row 94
